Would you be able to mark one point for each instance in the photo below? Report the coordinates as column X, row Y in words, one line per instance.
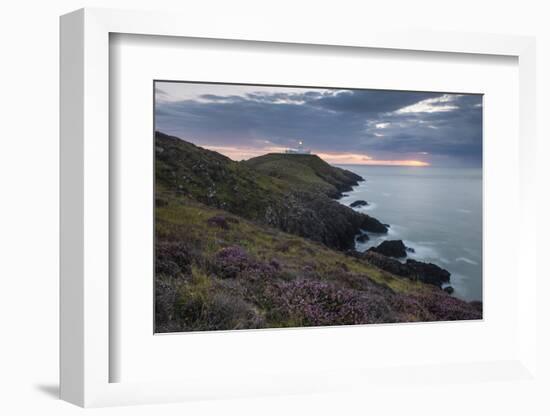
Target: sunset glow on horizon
column 359, row 159
column 244, row 153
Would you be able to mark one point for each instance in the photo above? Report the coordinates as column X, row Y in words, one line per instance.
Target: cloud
column 386, row 125
column 440, row 104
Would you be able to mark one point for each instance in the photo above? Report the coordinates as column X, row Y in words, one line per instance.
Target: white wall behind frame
column 29, row 361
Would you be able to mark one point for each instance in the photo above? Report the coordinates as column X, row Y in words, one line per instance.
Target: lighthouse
column 299, row 150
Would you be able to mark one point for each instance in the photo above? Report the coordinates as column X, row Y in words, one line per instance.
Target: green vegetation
column 306, row 172
column 301, row 207
column 188, row 219
column 240, row 245
column 211, row 178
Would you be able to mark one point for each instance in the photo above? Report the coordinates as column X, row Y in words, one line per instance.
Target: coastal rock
column 412, row 269
column 449, row 289
column 359, row 203
column 428, row 272
column 322, row 219
column 372, row 225
column 391, row 248
column 363, row 238
column 386, row 263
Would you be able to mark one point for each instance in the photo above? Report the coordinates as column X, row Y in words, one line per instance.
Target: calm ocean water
column 436, row 211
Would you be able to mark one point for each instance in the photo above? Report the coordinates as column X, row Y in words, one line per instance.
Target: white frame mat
column 85, row 355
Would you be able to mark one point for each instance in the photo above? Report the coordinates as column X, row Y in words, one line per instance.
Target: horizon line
column 343, row 158
column 238, row 153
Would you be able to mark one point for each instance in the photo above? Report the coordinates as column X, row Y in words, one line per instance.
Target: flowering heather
column 231, row 261
column 172, row 258
column 234, row 261
column 316, row 303
column 214, row 312
column 444, row 307
column 207, row 279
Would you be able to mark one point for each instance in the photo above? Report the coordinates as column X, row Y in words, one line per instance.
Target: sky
column 342, row 126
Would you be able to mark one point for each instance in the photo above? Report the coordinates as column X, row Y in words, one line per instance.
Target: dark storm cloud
column 455, row 132
column 395, row 124
column 371, row 101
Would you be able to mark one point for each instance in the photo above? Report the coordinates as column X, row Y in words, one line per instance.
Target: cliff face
column 290, row 192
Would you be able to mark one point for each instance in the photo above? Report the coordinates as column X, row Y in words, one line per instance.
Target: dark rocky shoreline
column 385, row 257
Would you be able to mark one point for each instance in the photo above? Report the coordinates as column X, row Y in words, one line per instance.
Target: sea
column 436, row 211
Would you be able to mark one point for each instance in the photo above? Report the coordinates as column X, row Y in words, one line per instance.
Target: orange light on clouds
column 243, row 153
column 362, row 159
column 346, row 158
column 417, row 163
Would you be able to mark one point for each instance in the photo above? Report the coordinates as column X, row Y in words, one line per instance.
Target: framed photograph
column 308, row 206
column 275, row 213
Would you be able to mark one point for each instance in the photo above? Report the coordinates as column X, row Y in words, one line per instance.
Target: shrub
column 165, row 299
column 215, row 310
column 315, row 303
column 218, row 221
column 231, row 261
column 444, row 307
column 410, row 308
column 225, row 311
column 234, row 261
column 172, row 258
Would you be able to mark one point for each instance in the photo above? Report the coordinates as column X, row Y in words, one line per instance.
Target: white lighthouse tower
column 299, row 150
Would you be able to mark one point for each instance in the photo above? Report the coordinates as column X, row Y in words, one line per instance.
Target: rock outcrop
column 415, row 270
column 362, row 238
column 391, row 248
column 428, row 272
column 449, row 289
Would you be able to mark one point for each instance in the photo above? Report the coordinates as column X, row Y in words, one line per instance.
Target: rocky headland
column 264, row 243
column 294, row 193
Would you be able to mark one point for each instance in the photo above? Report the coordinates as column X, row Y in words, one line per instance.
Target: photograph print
column 286, row 207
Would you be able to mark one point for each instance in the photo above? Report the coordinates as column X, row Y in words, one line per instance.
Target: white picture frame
column 85, row 213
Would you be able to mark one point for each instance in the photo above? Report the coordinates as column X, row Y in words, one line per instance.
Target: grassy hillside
column 212, row 178
column 215, row 271
column 307, row 172
column 261, row 244
column 294, row 198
